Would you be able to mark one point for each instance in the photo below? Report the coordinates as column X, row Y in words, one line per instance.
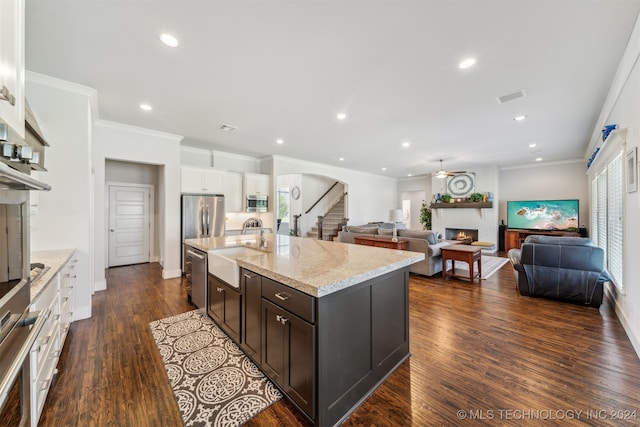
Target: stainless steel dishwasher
column 198, row 289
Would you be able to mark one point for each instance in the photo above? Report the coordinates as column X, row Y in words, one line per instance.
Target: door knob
column 112, row 230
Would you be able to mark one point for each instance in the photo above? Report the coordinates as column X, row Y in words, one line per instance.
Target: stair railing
column 320, row 223
column 321, row 197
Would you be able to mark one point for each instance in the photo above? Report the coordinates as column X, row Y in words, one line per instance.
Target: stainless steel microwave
column 257, row 203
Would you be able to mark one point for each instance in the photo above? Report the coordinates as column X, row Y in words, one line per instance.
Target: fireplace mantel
column 462, row 205
column 480, row 206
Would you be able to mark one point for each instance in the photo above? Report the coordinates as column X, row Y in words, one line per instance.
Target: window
column 282, row 208
column 607, row 215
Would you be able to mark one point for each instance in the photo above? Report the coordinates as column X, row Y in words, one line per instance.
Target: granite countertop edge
column 316, row 285
column 55, row 260
column 330, row 287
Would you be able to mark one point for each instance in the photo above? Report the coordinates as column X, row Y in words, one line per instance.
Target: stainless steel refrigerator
column 202, row 216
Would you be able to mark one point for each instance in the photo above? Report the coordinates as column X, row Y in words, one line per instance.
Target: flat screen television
column 543, row 214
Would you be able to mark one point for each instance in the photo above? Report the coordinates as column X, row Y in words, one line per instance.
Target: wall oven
column 19, row 327
column 257, row 203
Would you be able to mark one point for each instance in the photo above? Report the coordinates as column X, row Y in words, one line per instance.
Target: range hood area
column 18, row 156
column 11, row 179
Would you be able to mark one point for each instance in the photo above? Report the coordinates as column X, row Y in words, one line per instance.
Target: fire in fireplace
column 462, row 234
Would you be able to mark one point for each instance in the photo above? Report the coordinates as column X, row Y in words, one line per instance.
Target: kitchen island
column 326, row 321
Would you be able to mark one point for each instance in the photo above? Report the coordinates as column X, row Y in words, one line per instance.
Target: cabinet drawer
column 49, row 293
column 45, row 342
column 294, row 301
column 41, row 383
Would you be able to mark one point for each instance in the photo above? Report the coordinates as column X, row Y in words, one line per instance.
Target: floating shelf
column 462, row 205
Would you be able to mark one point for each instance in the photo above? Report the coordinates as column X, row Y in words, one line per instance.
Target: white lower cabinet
column 57, row 296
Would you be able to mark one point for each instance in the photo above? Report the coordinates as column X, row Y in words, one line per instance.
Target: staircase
column 333, row 221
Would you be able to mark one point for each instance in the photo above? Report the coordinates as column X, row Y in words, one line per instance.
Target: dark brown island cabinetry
column 251, row 285
column 288, row 337
column 328, row 353
column 224, row 306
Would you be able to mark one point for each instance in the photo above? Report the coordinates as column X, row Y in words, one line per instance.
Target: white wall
column 114, row 141
column 485, row 220
column 370, row 196
column 623, row 107
column 546, row 181
column 416, row 190
column 64, row 112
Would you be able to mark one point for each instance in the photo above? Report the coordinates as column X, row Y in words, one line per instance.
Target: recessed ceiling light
column 169, row 40
column 409, row 174
column 279, row 141
column 145, row 107
column 538, row 159
column 384, row 169
column 532, row 145
column 406, row 144
column 469, row 62
column 341, row 116
column 341, row 159
column 519, row 118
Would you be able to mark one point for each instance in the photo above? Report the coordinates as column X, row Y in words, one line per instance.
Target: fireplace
column 466, row 235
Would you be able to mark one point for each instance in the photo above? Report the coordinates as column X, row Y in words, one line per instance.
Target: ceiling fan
column 443, row 173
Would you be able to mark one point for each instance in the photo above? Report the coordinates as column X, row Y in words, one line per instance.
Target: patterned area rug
column 490, row 264
column 214, row 382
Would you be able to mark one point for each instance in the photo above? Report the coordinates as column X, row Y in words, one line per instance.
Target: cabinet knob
column 219, row 289
column 281, row 319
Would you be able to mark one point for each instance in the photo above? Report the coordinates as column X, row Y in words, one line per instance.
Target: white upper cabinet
column 12, row 64
column 202, row 180
column 256, row 184
column 233, row 191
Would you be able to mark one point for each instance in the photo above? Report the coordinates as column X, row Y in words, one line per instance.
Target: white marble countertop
column 55, row 260
column 315, row 267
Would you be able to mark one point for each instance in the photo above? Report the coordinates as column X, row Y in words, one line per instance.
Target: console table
column 381, row 242
column 513, row 238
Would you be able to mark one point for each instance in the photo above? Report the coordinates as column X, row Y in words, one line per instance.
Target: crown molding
column 67, row 86
column 138, row 130
column 541, row 165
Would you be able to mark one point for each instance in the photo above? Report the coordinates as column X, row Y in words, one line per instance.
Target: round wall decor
column 461, row 185
column 295, row 193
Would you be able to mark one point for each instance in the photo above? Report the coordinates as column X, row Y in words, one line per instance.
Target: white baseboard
column 100, row 285
column 170, row 274
column 628, row 328
column 81, row 313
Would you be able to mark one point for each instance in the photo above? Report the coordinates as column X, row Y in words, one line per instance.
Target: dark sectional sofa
column 564, row 268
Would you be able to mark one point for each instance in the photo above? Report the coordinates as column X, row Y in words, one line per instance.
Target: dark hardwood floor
column 481, row 355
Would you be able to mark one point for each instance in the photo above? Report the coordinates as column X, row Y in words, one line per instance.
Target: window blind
column 615, row 193
column 601, row 203
column 594, row 211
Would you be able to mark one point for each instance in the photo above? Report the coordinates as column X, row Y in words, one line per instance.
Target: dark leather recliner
column 565, row 268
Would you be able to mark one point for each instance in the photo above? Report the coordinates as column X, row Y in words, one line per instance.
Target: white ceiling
column 284, row 69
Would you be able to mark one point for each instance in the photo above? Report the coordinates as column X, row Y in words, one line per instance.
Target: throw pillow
column 385, row 231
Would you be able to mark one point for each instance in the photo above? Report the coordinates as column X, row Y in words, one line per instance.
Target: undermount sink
column 223, row 264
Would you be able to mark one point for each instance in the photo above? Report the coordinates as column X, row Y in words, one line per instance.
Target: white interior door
column 129, row 225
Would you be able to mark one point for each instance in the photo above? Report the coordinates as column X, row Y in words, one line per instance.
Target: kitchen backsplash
column 236, row 219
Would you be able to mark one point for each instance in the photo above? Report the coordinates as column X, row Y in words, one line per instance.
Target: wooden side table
column 381, row 242
column 467, row 253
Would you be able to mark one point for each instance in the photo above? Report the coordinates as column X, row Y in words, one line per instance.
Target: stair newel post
column 295, row 224
column 320, row 224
